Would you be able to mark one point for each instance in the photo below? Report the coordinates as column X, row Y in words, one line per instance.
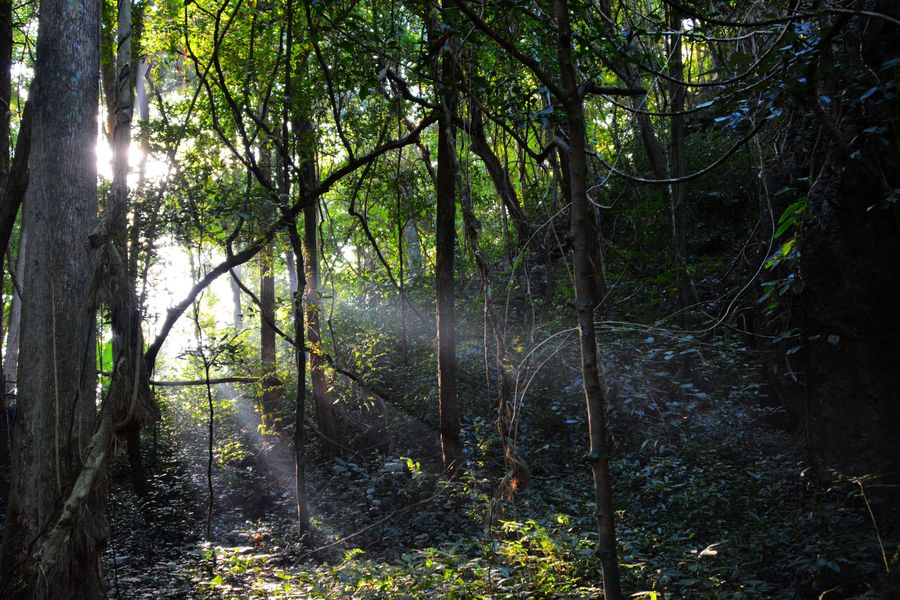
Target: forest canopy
column 450, row 299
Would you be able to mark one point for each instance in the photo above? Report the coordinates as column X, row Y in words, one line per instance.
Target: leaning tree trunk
column 57, row 375
column 585, row 286
column 499, row 175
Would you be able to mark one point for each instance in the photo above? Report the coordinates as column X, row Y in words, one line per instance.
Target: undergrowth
column 711, row 500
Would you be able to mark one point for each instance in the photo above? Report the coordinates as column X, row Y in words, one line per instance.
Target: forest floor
column 713, row 500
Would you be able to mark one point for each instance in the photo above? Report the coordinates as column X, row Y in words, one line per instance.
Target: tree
column 321, row 399
column 299, row 111
column 271, row 393
column 570, row 94
column 585, row 272
column 128, row 340
column 56, row 410
column 678, row 191
column 445, row 74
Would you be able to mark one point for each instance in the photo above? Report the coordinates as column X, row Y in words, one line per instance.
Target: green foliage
column 785, row 260
column 710, row 501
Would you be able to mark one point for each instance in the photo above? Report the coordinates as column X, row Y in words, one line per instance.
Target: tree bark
column 321, row 399
column 6, row 49
column 302, row 503
column 581, row 239
column 108, row 28
column 677, row 191
column 499, row 176
column 271, row 385
column 126, row 346
column 445, row 234
column 56, row 411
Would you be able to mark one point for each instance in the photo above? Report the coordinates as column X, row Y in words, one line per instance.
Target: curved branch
column 288, row 216
column 504, row 43
column 737, row 145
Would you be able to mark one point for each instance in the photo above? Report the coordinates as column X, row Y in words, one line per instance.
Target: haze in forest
column 450, row 299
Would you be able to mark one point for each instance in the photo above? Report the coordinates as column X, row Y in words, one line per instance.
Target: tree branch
column 504, row 43
column 288, row 216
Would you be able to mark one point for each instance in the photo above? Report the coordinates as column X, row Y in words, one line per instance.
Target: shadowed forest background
column 450, row 299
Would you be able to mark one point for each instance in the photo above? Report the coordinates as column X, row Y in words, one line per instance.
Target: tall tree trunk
column 116, row 221
column 445, row 75
column 676, row 169
column 56, row 412
column 656, row 157
column 305, row 136
column 324, row 411
column 413, row 249
column 271, row 393
column 117, row 207
column 302, row 503
column 294, row 115
column 268, row 351
column 401, row 283
column 659, row 166
column 6, row 48
column 585, row 286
